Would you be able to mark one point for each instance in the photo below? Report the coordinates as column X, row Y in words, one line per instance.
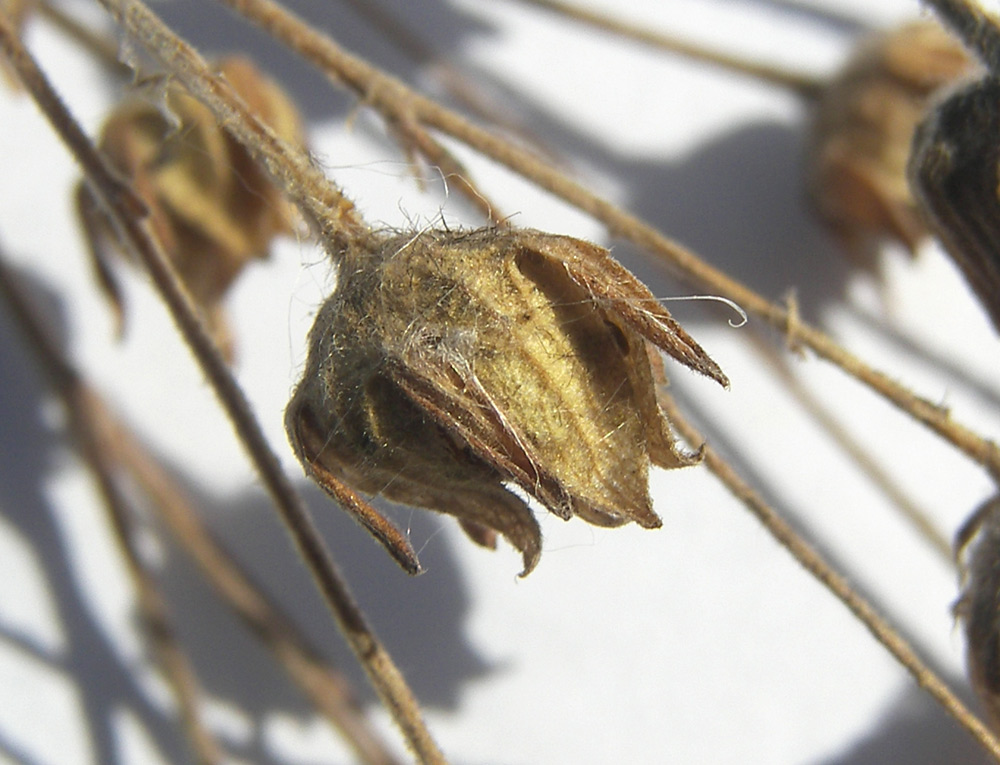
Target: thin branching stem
column 110, row 445
column 93, row 439
column 463, row 87
column 328, row 688
column 805, row 85
column 100, row 46
column 810, row 559
column 393, row 98
column 336, row 218
column 92, row 434
column 105, row 439
column 862, row 457
column 333, row 213
column 117, row 443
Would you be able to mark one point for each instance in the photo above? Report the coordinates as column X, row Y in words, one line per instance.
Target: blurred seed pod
column 864, row 123
column 978, row 608
column 212, row 208
column 954, row 171
column 446, row 365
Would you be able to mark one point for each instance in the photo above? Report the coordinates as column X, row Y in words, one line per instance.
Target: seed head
column 447, row 366
column 955, row 171
column 211, row 206
column 864, row 126
column 979, row 605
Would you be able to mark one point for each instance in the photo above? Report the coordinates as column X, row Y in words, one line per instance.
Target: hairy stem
column 836, row 583
column 328, row 689
column 94, row 441
column 392, row 98
column 338, row 220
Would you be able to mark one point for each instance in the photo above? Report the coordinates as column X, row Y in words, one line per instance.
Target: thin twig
column 328, row 689
column 101, row 46
column 114, row 442
column 336, row 218
column 838, row 585
column 92, row 435
column 805, row 85
column 412, row 135
column 865, row 461
column 464, row 88
column 392, row 98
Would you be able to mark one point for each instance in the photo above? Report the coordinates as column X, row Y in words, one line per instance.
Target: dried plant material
column 955, row 176
column 18, row 12
column 211, row 206
column 864, row 126
column 978, row 546
column 448, row 364
column 774, row 314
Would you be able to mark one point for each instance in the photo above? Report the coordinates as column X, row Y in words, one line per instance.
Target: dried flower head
column 211, row 206
column 864, row 126
column 446, row 365
column 978, row 546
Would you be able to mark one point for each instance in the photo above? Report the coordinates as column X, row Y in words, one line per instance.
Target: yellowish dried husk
column 212, row 208
column 447, row 365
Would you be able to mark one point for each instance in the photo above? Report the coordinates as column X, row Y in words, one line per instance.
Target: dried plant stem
column 101, row 46
column 838, row 585
column 412, row 135
column 336, row 218
column 328, row 689
column 94, row 438
column 416, row 140
column 805, row 85
column 465, row 89
column 865, row 461
column 333, row 213
column 393, row 98
column 109, row 445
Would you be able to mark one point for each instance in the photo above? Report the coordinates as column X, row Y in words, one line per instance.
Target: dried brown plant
column 210, row 206
column 437, row 426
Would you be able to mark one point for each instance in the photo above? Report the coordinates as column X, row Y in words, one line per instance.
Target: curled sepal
column 447, row 366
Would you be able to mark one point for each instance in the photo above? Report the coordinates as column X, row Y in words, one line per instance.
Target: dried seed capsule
column 978, row 543
column 448, row 364
column 211, row 207
column 863, row 129
column 955, row 172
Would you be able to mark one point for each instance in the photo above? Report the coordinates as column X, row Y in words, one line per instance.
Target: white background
column 698, row 642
